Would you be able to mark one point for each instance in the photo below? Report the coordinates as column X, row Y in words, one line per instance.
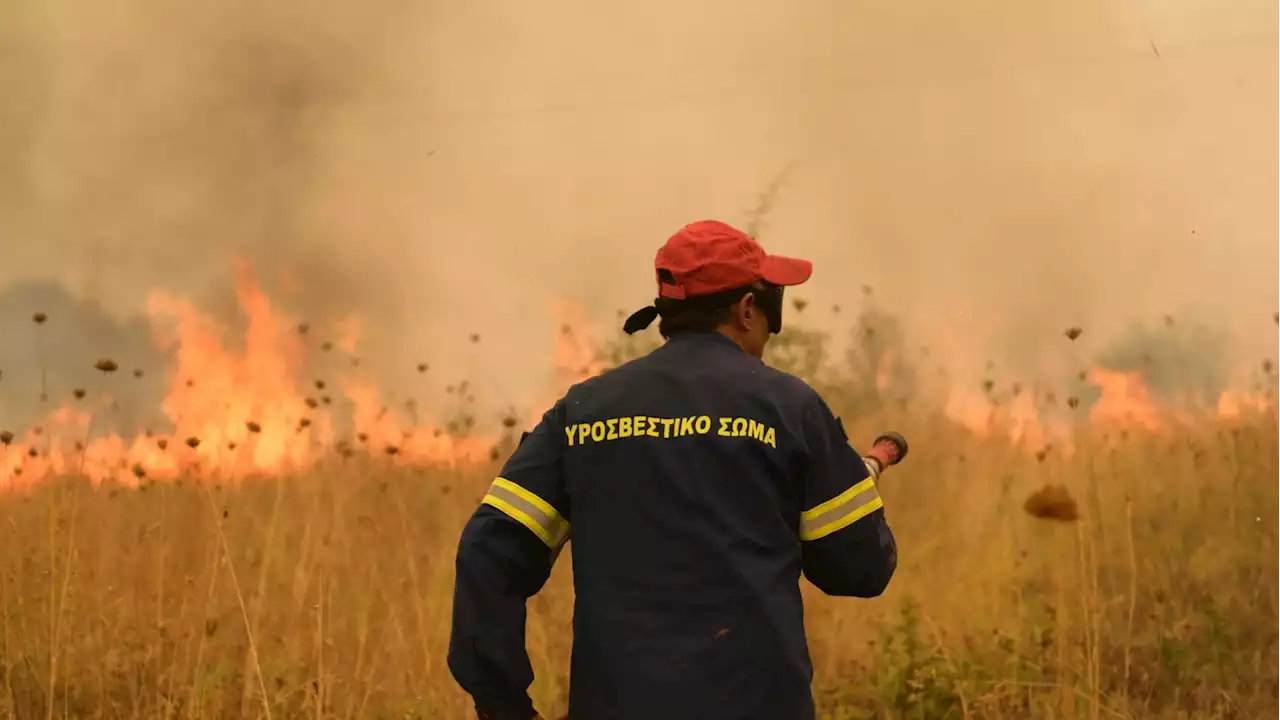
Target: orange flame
column 1232, row 404
column 1125, row 400
column 247, row 412
column 245, row 409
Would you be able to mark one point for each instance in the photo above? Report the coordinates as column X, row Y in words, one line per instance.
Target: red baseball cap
column 708, row 257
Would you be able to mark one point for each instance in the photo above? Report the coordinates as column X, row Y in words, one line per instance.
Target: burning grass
column 1122, row 566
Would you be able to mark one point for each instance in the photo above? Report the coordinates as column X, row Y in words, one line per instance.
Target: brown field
column 327, row 594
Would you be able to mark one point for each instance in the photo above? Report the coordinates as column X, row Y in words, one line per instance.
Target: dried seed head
column 193, row 442
column 362, row 437
column 162, row 443
column 78, row 393
column 139, row 471
column 1083, row 375
column 325, row 399
column 39, row 318
column 6, row 437
column 303, row 328
column 253, row 427
column 1073, row 402
column 1052, row 502
column 105, row 365
column 231, row 445
column 79, row 446
column 799, row 304
column 508, row 422
column 988, row 385
column 304, row 423
column 494, row 454
column 422, row 367
column 1073, row 332
column 311, row 403
column 391, row 449
column 326, row 346
column 33, row 452
column 319, row 384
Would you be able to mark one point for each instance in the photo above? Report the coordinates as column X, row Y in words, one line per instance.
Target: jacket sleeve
column 847, row 547
column 504, row 557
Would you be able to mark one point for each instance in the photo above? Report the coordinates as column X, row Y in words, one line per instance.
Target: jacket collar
column 708, row 337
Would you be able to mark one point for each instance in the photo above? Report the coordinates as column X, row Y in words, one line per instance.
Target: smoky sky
column 996, row 170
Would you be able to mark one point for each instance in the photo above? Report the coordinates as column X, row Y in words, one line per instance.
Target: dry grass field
column 1141, row 584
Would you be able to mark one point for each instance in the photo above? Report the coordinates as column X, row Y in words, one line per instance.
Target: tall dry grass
column 327, row 595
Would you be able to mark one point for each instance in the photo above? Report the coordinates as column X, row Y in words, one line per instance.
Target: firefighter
column 698, row 484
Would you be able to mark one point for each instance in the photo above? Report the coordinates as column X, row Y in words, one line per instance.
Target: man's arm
column 504, row 557
column 847, row 547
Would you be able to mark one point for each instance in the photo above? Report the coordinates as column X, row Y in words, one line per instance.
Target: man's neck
column 733, row 336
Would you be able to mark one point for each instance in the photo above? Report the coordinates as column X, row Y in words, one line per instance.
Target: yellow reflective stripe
column 840, row 511
column 844, row 521
column 529, row 510
column 840, row 499
column 529, row 497
column 520, row 516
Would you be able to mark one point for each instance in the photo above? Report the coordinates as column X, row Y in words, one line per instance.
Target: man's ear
column 749, row 303
column 743, row 309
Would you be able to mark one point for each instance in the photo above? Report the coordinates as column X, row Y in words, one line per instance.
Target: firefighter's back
column 680, row 471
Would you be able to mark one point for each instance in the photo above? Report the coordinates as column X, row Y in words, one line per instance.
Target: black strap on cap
column 640, row 320
column 768, row 299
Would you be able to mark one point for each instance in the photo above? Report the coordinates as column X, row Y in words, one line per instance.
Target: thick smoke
column 995, row 172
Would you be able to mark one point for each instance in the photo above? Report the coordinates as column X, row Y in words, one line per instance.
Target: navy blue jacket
column 698, row 484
